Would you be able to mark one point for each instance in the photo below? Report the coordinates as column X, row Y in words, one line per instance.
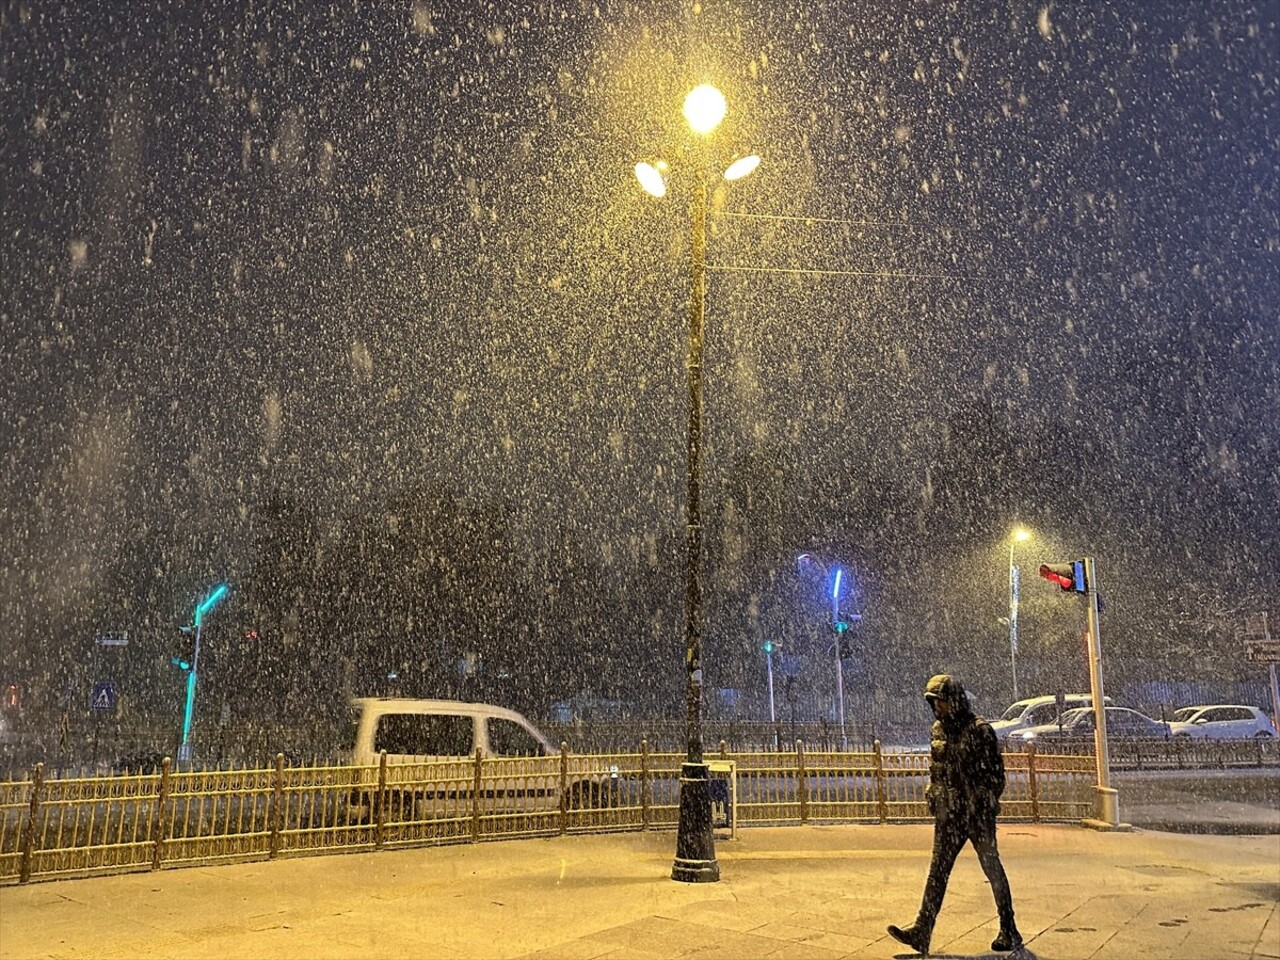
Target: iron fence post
column 882, row 800
column 475, row 795
column 564, row 787
column 1031, row 782
column 158, row 825
column 277, row 805
column 380, row 803
column 644, row 785
column 802, row 785
column 29, row 835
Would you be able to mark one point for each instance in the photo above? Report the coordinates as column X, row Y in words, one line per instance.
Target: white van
column 431, row 748
column 1037, row 711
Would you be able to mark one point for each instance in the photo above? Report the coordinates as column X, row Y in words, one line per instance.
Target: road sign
column 112, row 640
column 1263, row 651
column 103, row 698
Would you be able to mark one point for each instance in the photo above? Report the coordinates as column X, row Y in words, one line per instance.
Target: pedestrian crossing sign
column 103, row 698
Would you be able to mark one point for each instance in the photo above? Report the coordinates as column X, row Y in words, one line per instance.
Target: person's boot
column 1009, row 939
column 915, row 936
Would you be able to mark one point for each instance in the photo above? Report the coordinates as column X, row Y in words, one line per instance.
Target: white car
column 1035, row 712
column 1222, row 722
column 431, row 748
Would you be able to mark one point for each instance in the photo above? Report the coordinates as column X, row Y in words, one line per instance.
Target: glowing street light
column 742, row 167
column 695, row 860
column 653, row 177
column 704, row 108
column 838, row 625
column 206, row 605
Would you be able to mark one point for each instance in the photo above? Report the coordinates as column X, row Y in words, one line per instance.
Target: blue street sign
column 103, row 697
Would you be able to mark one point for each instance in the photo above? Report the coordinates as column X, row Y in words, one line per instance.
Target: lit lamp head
column 742, row 167
column 704, row 108
column 1020, row 535
column 653, row 177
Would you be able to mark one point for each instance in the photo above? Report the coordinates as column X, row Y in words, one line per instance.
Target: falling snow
column 359, row 309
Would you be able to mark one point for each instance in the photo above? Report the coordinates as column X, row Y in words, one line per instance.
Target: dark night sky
column 348, row 248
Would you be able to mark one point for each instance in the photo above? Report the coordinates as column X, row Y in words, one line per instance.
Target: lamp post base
column 695, row 843
column 1108, row 818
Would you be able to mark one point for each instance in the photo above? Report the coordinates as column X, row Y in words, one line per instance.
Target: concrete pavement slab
column 808, row 893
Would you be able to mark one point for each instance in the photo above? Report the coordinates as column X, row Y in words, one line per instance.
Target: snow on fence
column 79, row 826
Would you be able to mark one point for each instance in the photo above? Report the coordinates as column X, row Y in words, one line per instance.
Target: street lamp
column 695, row 860
column 838, row 626
column 773, row 716
column 209, row 602
column 1019, row 536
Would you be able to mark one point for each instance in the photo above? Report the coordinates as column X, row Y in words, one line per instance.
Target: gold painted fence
column 80, row 826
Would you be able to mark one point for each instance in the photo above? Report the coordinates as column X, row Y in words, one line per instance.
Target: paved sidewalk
column 787, row 893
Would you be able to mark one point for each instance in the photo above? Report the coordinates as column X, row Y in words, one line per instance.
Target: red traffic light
column 1068, row 576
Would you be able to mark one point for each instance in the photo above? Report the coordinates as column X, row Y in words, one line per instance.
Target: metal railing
column 80, row 826
column 600, row 736
column 1174, row 753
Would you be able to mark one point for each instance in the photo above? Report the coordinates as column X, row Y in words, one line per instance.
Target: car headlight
column 1028, row 735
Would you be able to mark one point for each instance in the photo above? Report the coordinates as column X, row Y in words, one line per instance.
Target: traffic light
column 844, row 620
column 182, row 649
column 12, row 699
column 768, row 646
column 1069, row 576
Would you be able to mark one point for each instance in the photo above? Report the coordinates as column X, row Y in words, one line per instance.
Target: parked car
column 1221, row 721
column 1036, row 711
column 1122, row 723
column 437, row 740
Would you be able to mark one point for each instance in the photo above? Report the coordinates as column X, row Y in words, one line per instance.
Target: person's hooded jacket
column 966, row 770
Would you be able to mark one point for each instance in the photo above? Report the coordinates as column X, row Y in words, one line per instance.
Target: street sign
column 112, row 640
column 1263, row 651
column 103, row 698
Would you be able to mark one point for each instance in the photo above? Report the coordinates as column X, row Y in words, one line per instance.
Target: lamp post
column 209, row 602
column 773, row 716
column 695, row 860
column 837, row 628
column 1019, row 536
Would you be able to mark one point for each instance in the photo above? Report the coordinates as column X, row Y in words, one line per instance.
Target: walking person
column 966, row 778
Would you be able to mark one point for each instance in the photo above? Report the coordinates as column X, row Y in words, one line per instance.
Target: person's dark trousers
column 949, row 836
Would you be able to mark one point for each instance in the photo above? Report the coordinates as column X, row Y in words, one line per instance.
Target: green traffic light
column 768, row 646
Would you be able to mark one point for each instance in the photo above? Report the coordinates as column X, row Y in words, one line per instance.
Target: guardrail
column 1172, row 753
column 78, row 826
column 741, row 735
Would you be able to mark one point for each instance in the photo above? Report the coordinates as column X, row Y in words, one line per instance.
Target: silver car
column 1122, row 724
column 1222, row 722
